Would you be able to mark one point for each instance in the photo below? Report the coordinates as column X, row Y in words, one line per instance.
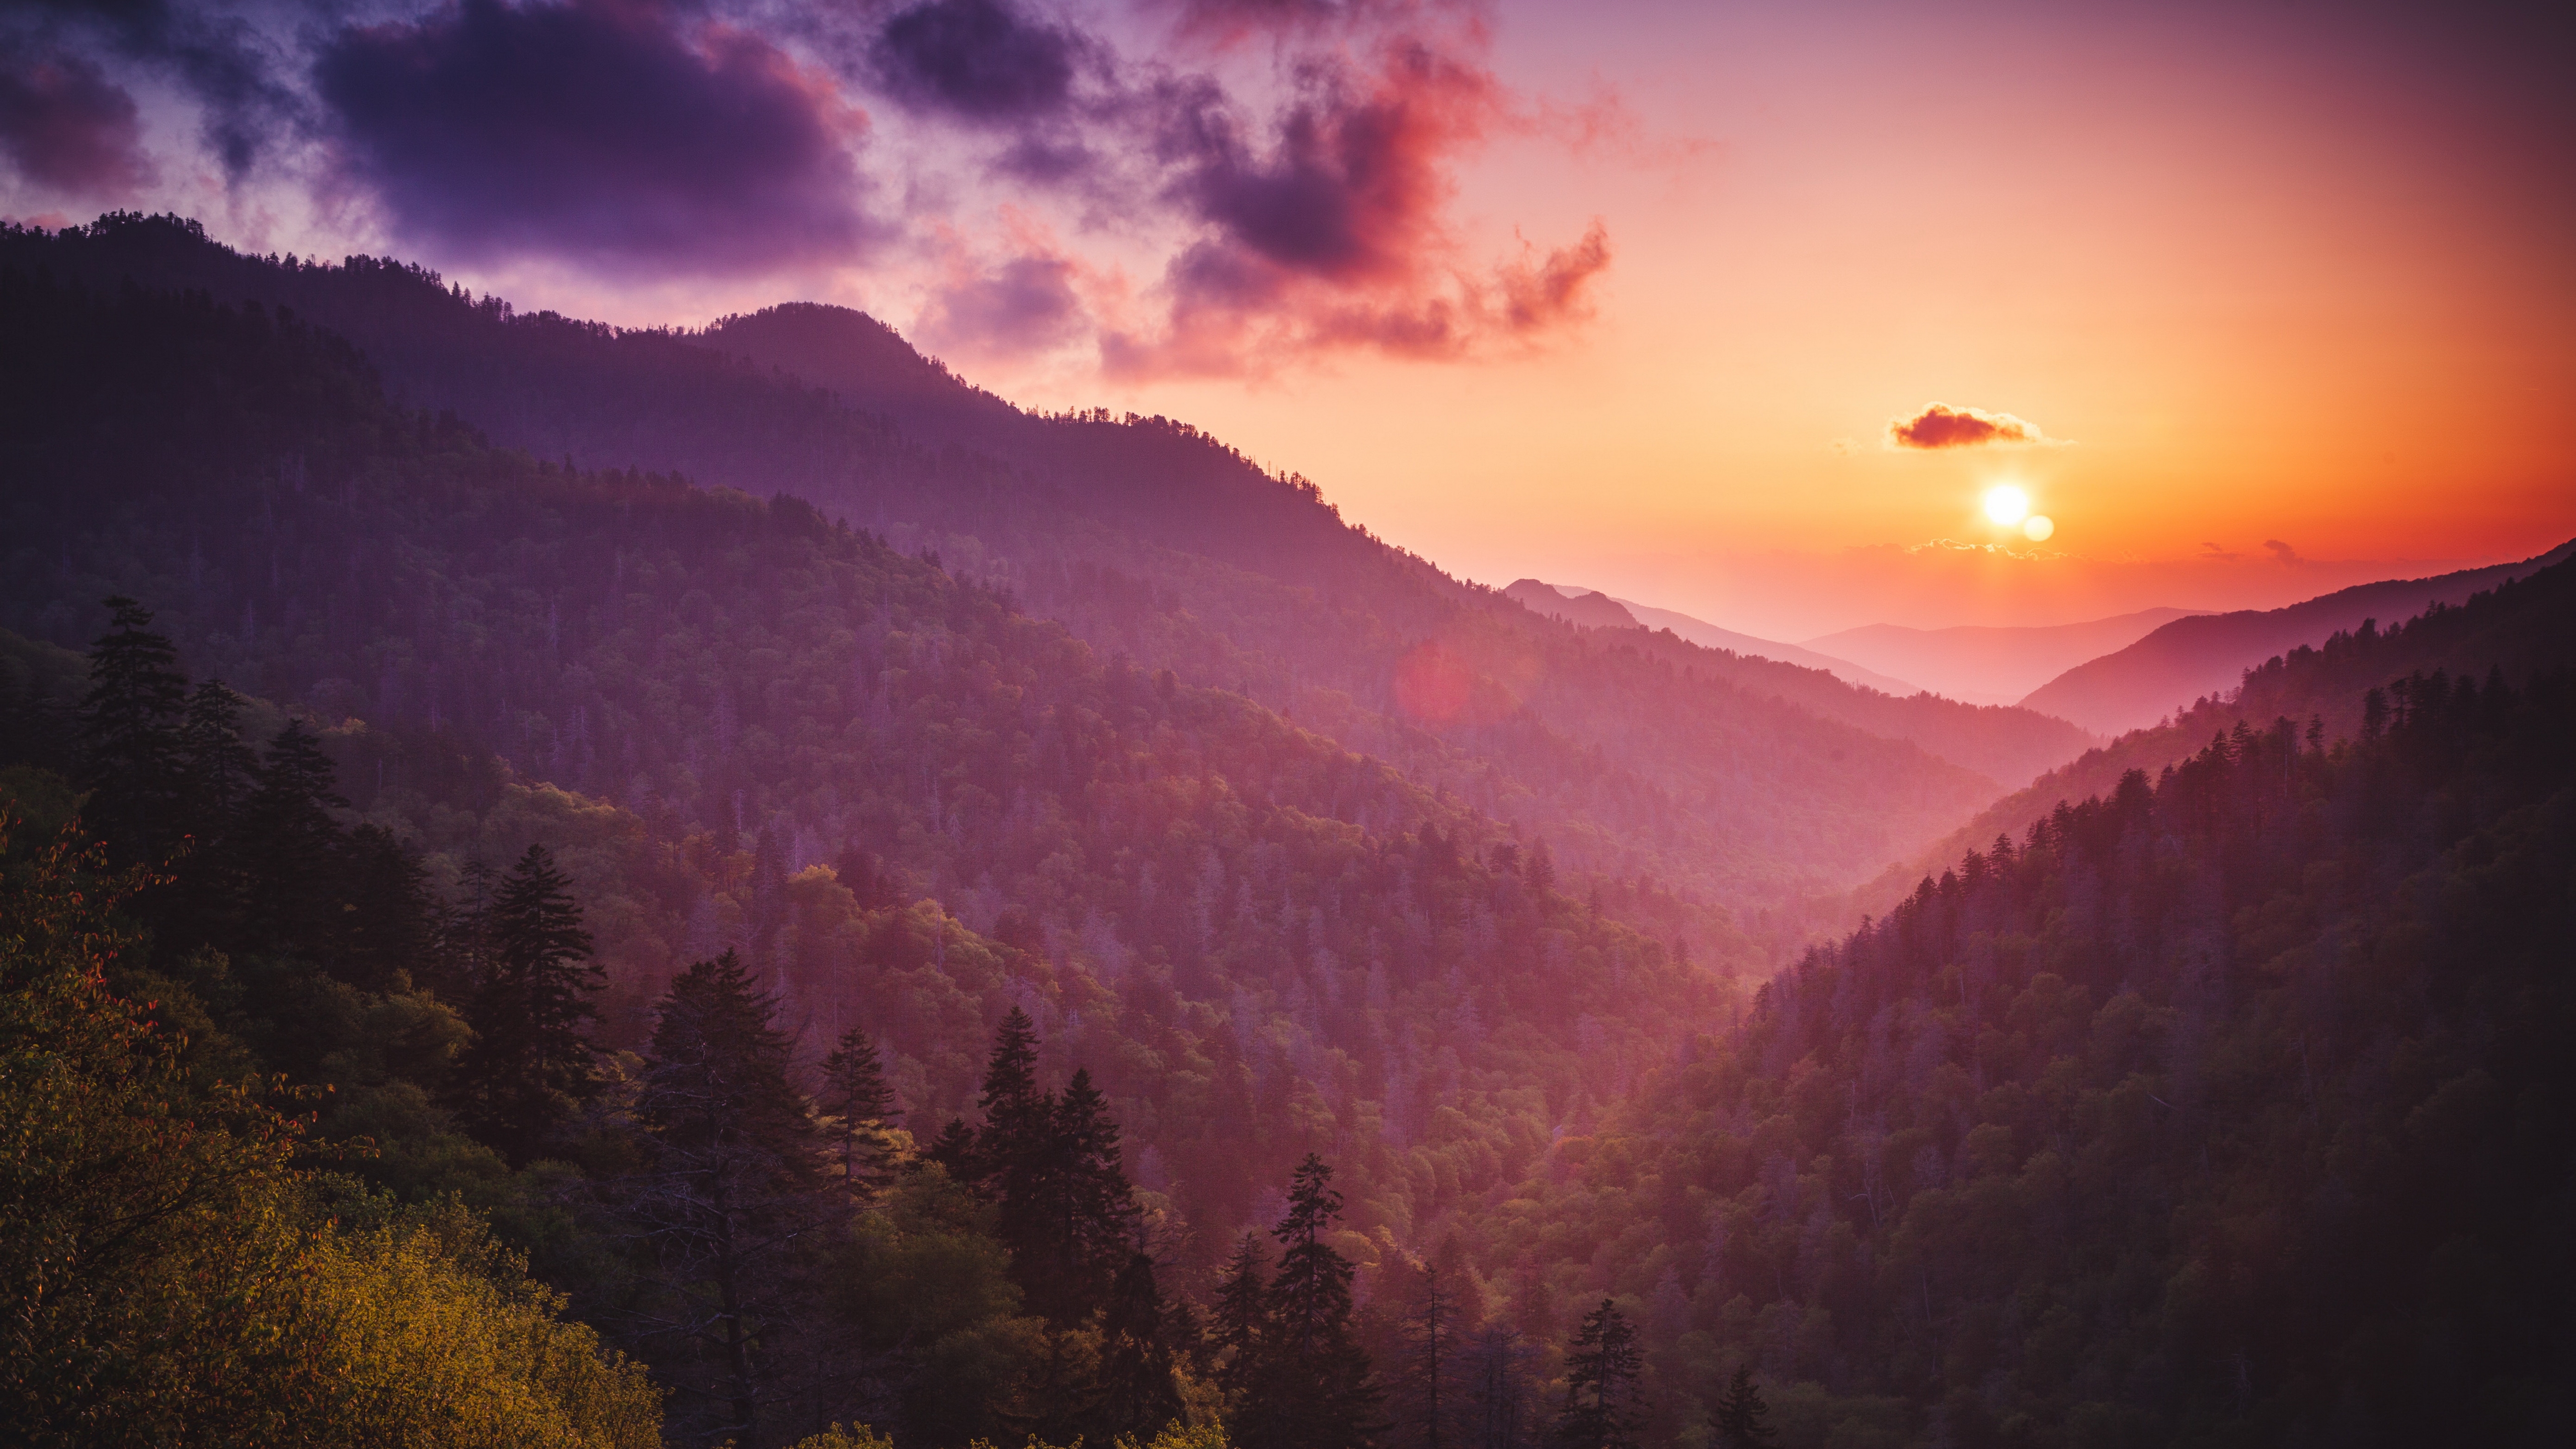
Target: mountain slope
column 1989, row 664
column 2208, row 654
column 1148, row 537
column 2227, row 1108
column 2520, row 626
column 910, row 806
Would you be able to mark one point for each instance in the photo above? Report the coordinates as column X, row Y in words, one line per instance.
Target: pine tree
column 387, row 930
column 954, row 1150
column 1496, row 1395
column 1423, row 1401
column 532, row 1058
column 1086, row 1215
column 1015, row 1111
column 862, row 1105
column 1601, row 1367
column 1138, row 1393
column 1240, row 1334
column 219, row 770
column 1063, row 1205
column 290, row 851
column 1741, row 1420
column 734, row 1204
column 1313, row 1388
column 131, row 726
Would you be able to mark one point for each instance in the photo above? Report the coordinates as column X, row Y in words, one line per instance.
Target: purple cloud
column 977, row 60
column 66, row 127
column 597, row 131
column 225, row 62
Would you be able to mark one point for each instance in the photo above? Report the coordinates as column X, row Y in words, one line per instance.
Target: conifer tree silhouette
column 130, row 737
column 532, row 1061
column 1601, row 1367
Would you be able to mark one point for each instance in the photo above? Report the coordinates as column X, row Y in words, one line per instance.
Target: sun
column 2007, row 505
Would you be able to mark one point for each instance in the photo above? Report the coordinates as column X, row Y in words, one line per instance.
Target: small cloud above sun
column 2007, row 506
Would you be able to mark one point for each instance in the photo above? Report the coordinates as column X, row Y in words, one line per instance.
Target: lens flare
column 2007, row 505
column 2038, row 527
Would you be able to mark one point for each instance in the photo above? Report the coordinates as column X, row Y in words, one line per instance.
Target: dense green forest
column 500, row 949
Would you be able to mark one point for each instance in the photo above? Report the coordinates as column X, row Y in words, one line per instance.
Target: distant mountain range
column 1596, row 610
column 2207, row 655
column 1989, row 665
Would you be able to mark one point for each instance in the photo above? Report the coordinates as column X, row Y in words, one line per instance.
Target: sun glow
column 2038, row 527
column 2007, row 505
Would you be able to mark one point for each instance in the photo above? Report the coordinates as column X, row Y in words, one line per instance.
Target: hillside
column 2518, row 626
column 2208, row 654
column 1992, row 664
column 2225, row 1108
column 1148, row 538
column 909, row 806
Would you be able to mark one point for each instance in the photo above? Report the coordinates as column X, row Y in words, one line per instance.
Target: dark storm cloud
column 1940, row 425
column 227, row 64
column 65, row 126
column 598, row 132
column 977, row 60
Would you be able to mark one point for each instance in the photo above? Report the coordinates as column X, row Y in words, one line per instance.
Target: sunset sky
column 1625, row 294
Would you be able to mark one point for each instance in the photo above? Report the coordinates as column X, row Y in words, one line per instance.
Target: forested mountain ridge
column 2230, row 1107
column 2520, row 625
column 2204, row 654
column 1147, row 536
column 908, row 805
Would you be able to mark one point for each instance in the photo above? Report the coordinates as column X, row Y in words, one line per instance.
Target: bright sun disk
column 2007, row 505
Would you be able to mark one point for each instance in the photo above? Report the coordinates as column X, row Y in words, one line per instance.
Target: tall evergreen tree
column 1496, row 1393
column 1601, row 1368
column 1239, row 1333
column 219, row 770
column 1063, row 1205
column 1423, row 1398
column 532, row 1061
column 1313, row 1388
column 954, row 1150
column 1741, row 1420
column 290, row 851
column 862, row 1107
column 1084, row 1215
column 1138, row 1392
column 388, row 928
column 130, row 744
column 1015, row 1111
column 733, row 1206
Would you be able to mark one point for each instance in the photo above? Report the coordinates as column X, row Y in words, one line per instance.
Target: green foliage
column 170, row 1275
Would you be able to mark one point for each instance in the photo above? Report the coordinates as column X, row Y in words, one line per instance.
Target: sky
column 1739, row 310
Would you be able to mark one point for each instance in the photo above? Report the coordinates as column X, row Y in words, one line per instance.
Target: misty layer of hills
column 1055, row 933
